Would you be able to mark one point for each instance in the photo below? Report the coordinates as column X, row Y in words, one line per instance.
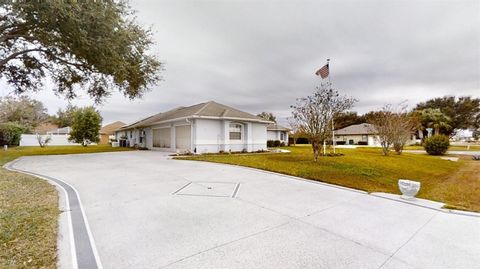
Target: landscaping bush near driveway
column 436, row 145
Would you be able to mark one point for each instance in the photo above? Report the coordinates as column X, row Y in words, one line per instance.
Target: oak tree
column 92, row 45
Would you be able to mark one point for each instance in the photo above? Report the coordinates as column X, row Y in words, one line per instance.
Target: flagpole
column 333, row 125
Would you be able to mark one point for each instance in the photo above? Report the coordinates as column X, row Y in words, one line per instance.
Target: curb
column 84, row 252
column 374, row 194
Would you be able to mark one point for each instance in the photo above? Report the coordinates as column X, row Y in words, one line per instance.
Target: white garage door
column 161, row 138
column 182, row 137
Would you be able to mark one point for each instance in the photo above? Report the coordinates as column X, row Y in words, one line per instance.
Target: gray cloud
column 260, row 56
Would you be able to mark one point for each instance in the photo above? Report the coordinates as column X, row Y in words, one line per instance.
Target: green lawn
column 454, row 147
column 29, row 210
column 455, row 183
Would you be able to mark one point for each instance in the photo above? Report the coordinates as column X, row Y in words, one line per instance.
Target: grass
column 29, row 210
column 453, row 147
column 455, row 183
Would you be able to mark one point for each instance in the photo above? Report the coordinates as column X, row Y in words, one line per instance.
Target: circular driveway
column 145, row 210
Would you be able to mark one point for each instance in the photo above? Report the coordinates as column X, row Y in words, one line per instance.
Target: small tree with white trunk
column 314, row 114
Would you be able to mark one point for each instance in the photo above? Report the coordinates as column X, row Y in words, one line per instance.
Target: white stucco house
column 358, row 134
column 201, row 128
column 277, row 132
column 362, row 134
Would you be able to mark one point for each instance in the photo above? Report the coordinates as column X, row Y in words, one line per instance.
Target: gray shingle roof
column 203, row 110
column 276, row 127
column 357, row 129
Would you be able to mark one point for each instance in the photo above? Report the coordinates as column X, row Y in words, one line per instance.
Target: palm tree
column 434, row 118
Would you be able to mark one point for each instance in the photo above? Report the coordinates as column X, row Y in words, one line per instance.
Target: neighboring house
column 362, row 134
column 358, row 134
column 107, row 132
column 201, row 128
column 60, row 131
column 277, row 132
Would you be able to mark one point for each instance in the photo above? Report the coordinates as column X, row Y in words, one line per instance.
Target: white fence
column 56, row 140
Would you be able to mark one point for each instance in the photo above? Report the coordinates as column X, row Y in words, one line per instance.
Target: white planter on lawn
column 409, row 188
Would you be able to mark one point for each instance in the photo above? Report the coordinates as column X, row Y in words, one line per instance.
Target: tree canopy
column 435, row 119
column 22, row 110
column 347, row 118
column 268, row 116
column 91, row 45
column 463, row 112
column 86, row 126
column 64, row 118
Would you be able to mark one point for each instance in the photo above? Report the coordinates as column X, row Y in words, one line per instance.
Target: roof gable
column 357, row 129
column 110, row 128
column 203, row 110
column 276, row 127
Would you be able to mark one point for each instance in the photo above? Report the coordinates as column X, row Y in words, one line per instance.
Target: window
column 282, row 136
column 365, row 138
column 235, row 131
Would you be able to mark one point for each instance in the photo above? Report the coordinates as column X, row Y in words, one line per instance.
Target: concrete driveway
column 145, row 210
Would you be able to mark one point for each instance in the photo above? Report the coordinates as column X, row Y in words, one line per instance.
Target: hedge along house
column 277, row 132
column 201, row 128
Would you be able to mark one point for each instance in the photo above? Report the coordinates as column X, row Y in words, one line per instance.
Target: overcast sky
column 261, row 55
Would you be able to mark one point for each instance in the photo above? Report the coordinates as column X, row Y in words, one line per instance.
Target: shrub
column 364, row 143
column 10, row 133
column 302, row 140
column 340, row 142
column 436, row 145
column 273, row 143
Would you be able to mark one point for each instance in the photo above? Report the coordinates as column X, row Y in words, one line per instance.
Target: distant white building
column 201, row 128
column 362, row 134
column 463, row 135
column 277, row 132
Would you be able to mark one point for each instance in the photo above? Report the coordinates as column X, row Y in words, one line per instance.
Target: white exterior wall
column 259, row 136
column 57, row 140
column 272, row 135
column 371, row 139
column 209, row 136
column 214, row 136
column 275, row 135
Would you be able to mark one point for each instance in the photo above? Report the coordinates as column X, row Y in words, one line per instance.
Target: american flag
column 323, row 72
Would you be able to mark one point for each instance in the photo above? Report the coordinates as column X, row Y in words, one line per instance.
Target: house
column 107, row 131
column 60, row 131
column 200, row 128
column 277, row 132
column 358, row 134
column 362, row 134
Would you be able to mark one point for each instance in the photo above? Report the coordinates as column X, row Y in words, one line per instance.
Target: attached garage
column 183, row 138
column 161, row 138
column 201, row 128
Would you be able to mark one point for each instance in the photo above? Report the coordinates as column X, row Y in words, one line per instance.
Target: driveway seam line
column 446, row 211
column 409, row 239
column 226, row 243
column 300, row 219
column 80, row 258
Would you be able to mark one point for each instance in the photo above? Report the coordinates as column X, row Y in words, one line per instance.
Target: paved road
column 147, row 211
